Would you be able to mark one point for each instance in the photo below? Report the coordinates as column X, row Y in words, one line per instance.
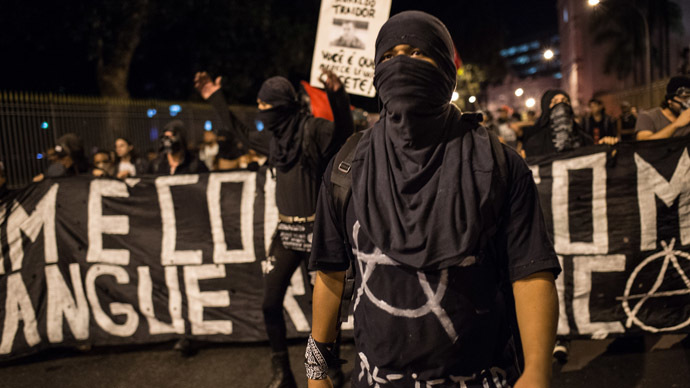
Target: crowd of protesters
column 300, row 146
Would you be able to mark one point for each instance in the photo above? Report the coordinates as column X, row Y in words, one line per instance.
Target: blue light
column 532, row 70
column 153, row 134
column 534, row 45
column 151, row 112
column 558, row 75
column 44, row 125
column 208, row 125
column 39, row 156
column 521, row 60
column 259, row 125
column 174, row 110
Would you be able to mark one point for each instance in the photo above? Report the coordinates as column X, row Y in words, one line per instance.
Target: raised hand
column 330, row 81
column 205, row 85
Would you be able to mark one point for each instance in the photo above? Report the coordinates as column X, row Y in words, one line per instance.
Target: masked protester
column 556, row 129
column 174, row 157
column 299, row 148
column 672, row 119
column 440, row 275
column 67, row 158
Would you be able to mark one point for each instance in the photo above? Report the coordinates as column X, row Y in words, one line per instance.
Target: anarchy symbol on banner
column 433, row 304
column 669, row 256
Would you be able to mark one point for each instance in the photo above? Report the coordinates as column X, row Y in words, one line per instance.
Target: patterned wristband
column 314, row 361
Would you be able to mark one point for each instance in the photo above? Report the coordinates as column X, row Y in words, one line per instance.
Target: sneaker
column 560, row 351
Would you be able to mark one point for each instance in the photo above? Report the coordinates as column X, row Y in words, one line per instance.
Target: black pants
column 281, row 264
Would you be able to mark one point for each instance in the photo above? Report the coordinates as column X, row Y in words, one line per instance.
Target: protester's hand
column 330, row 81
column 122, row 174
column 683, row 119
column 325, row 383
column 205, row 85
column 38, row 178
column 610, row 140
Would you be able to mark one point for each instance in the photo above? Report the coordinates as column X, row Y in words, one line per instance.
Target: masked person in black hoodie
column 174, row 156
column 556, row 129
column 299, row 148
column 69, row 158
column 441, row 249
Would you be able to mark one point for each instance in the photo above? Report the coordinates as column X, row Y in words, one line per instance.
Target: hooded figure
column 405, row 186
column 556, row 129
column 174, row 156
column 435, row 241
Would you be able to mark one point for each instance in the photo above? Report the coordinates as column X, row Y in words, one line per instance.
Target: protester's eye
column 416, row 53
column 386, row 56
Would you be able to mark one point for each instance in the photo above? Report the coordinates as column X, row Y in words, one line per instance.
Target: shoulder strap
column 341, row 191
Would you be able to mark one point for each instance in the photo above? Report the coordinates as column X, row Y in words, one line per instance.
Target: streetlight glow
column 530, row 102
column 519, row 92
column 455, row 96
column 472, row 99
column 593, row 3
column 548, row 54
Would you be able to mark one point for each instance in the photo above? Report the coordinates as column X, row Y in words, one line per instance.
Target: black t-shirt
column 438, row 326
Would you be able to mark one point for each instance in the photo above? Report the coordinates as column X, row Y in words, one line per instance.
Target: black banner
column 150, row 259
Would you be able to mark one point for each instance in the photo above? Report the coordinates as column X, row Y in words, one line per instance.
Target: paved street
column 652, row 361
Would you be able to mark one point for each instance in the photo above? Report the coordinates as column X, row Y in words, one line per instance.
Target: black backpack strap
column 341, row 191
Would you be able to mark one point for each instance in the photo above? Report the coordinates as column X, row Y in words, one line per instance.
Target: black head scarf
column 282, row 120
column 559, row 121
column 421, row 180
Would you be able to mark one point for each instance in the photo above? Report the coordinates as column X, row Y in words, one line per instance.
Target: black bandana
column 421, row 180
column 283, row 120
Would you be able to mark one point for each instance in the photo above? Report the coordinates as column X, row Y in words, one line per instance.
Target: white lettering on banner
column 145, row 291
column 290, row 303
column 651, row 184
column 18, row 306
column 535, row 174
column 583, row 267
column 170, row 256
column 563, row 326
column 61, row 303
column 197, row 300
column 100, row 224
column 42, row 216
column 102, row 319
column 560, row 202
column 221, row 254
column 270, row 209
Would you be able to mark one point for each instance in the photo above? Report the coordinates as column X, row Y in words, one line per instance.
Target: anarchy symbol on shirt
column 433, row 304
column 669, row 257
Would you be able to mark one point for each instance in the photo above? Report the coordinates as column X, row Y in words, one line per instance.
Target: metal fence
column 30, row 123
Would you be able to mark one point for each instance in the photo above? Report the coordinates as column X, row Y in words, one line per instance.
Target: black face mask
column 170, row 145
column 409, row 85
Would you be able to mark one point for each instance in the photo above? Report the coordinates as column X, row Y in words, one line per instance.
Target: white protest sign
column 345, row 42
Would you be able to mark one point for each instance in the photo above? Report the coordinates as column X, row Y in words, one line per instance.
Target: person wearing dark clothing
column 68, row 158
column 626, row 122
column 598, row 124
column 440, row 247
column 127, row 162
column 556, row 129
column 174, row 156
column 299, row 147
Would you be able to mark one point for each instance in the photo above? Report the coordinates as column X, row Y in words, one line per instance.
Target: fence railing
column 30, row 123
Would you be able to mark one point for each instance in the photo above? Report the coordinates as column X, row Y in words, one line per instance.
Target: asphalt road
column 650, row 361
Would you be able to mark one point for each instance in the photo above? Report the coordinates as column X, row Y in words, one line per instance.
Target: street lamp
column 548, row 54
column 455, row 97
column 647, row 49
column 530, row 102
column 519, row 92
column 472, row 99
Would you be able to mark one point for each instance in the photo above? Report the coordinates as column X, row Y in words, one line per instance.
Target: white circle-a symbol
column 670, row 256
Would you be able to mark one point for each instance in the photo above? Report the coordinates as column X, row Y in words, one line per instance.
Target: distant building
column 582, row 61
column 530, row 73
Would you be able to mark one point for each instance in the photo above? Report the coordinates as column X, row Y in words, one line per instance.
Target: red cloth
column 456, row 58
column 320, row 107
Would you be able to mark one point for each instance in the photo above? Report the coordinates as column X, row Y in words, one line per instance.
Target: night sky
column 48, row 46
